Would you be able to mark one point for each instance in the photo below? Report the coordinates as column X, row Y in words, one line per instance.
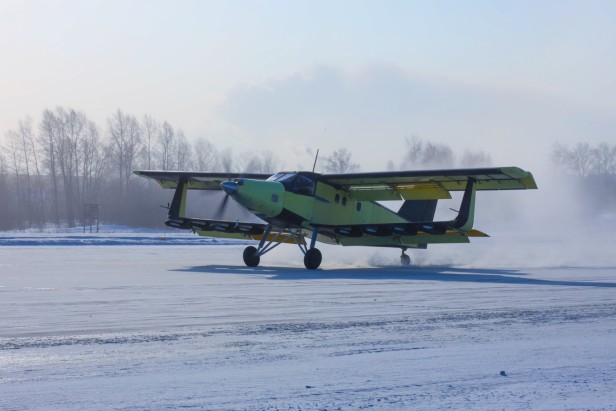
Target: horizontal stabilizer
column 476, row 233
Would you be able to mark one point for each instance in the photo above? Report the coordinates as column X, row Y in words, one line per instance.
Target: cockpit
column 298, row 183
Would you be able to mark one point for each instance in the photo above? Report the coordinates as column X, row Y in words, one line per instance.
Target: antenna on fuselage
column 315, row 160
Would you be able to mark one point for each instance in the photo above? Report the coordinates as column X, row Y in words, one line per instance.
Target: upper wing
column 196, row 180
column 428, row 184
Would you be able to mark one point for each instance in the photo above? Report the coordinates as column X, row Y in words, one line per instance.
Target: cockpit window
column 278, row 176
column 287, row 178
column 295, row 183
column 303, row 185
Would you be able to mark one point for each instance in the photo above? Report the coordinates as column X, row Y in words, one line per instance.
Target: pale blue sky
column 274, row 75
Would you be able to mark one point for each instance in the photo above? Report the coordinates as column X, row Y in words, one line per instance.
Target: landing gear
column 312, row 256
column 312, row 259
column 405, row 260
column 251, row 256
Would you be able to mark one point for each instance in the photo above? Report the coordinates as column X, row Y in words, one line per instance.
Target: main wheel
column 312, row 259
column 251, row 259
column 405, row 260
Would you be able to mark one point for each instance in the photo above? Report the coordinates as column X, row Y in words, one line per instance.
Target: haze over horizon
column 290, row 77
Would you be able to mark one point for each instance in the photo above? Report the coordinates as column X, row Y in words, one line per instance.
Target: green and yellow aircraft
column 339, row 208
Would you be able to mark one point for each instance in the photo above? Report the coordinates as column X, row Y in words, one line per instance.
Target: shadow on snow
column 427, row 273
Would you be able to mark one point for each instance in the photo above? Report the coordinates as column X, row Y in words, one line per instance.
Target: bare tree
column 270, row 163
column 251, row 164
column 426, row 154
column 475, row 159
column 340, row 162
column 414, row 152
column 151, row 130
column 71, row 127
column 125, row 139
column 93, row 163
column 604, row 159
column 437, row 155
column 183, row 152
column 264, row 162
column 166, row 142
column 47, row 141
column 37, row 165
column 206, row 157
column 25, row 134
column 226, row 160
column 577, row 160
column 595, row 168
column 582, row 158
column 34, row 199
column 16, row 165
column 5, row 200
column 30, row 202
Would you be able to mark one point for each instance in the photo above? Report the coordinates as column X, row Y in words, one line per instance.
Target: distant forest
column 52, row 171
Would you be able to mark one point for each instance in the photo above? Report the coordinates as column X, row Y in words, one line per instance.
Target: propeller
column 230, row 188
column 222, row 206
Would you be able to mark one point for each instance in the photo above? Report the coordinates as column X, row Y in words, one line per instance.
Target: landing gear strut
column 405, row 260
column 312, row 255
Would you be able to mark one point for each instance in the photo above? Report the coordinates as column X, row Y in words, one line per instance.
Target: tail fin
column 418, row 210
column 466, row 216
column 178, row 204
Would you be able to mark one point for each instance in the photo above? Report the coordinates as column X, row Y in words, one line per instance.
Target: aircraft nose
column 229, row 187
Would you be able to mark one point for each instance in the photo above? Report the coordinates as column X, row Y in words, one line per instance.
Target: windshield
column 279, row 176
column 295, row 183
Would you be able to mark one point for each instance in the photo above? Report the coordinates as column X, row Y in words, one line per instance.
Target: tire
column 250, row 257
column 405, row 260
column 312, row 259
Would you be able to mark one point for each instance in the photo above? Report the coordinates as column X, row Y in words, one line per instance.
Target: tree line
column 584, row 160
column 52, row 170
column 592, row 171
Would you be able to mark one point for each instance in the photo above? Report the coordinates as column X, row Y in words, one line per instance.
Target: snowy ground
column 128, row 321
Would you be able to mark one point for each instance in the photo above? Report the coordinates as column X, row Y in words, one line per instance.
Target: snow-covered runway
column 151, row 326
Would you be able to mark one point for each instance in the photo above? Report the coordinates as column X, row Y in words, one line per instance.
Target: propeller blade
column 222, row 206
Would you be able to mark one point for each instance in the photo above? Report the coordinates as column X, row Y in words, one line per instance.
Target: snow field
column 156, row 326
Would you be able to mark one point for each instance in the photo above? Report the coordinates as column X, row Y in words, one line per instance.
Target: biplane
column 305, row 207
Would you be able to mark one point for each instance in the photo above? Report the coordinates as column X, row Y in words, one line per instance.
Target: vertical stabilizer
column 178, row 204
column 466, row 216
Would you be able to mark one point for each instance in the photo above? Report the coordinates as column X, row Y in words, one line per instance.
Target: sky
column 508, row 77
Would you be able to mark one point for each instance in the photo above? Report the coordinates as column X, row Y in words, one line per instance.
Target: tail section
column 466, row 216
column 422, row 212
